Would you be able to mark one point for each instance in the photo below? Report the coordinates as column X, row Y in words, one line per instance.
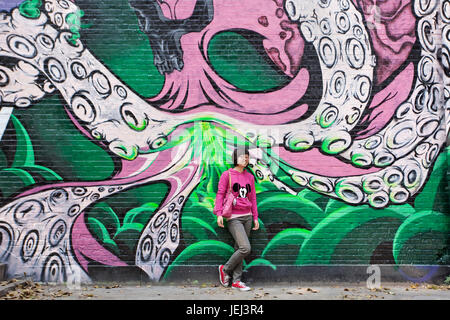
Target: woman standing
column 244, row 212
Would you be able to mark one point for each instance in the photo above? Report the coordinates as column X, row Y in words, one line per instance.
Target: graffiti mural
column 118, row 119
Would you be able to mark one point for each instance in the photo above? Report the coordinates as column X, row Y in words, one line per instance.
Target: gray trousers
column 240, row 230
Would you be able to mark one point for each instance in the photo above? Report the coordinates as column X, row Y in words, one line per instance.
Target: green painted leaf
column 287, row 237
column 197, row 210
column 425, row 199
column 96, row 227
column 359, row 245
column 309, row 195
column 260, row 262
column 46, row 173
column 106, row 215
column 208, row 203
column 420, row 222
column 333, row 205
column 197, row 227
column 102, row 234
column 24, row 149
column 24, row 176
column 279, row 206
column 10, row 182
column 213, row 180
column 319, row 247
column 264, row 186
column 130, row 226
column 259, row 239
column 129, row 236
column 193, row 198
column 206, row 248
column 3, row 160
column 141, row 214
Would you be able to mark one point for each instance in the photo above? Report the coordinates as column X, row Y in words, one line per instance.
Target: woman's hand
column 256, row 223
column 220, row 221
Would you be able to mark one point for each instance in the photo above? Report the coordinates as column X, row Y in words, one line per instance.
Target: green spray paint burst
column 74, row 21
column 30, row 8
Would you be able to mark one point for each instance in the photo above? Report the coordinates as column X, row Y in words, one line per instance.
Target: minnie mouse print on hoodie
column 242, row 186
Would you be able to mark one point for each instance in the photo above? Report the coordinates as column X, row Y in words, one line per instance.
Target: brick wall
column 119, row 117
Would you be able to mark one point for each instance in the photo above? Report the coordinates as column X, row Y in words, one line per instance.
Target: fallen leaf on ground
column 302, row 291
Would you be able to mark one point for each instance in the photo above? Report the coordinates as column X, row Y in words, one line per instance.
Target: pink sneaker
column 240, row 285
column 223, row 277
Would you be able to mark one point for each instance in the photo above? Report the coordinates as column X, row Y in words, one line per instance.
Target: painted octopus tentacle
column 444, row 14
column 59, row 11
column 335, row 28
column 395, row 184
column 128, row 128
column 21, row 85
column 104, row 106
column 101, row 104
column 36, row 227
column 392, row 185
column 36, row 231
column 404, row 176
column 264, row 172
column 114, row 114
column 161, row 236
column 421, row 115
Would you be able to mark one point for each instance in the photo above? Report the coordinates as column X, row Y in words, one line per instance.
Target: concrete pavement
column 195, row 290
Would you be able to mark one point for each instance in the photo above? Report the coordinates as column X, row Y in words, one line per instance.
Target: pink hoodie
column 243, row 189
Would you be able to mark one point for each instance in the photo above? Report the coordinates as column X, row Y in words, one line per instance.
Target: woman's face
column 243, row 160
